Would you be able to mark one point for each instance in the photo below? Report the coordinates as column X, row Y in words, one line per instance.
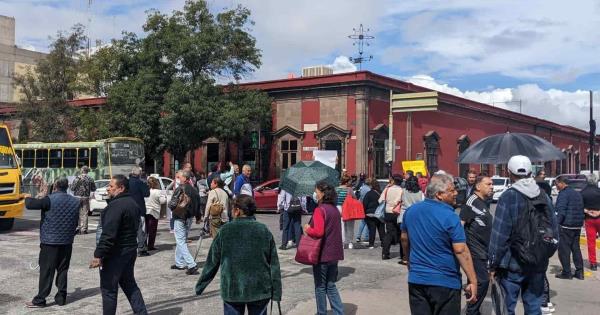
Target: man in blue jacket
column 569, row 208
column 60, row 216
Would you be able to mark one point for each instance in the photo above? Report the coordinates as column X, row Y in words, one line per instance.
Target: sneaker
column 283, row 247
column 546, row 310
column 578, row 275
column 551, row 306
column 371, row 247
column 175, row 267
column 192, row 271
column 350, row 246
column 594, row 267
column 33, row 305
column 358, row 239
column 290, row 243
column 385, row 257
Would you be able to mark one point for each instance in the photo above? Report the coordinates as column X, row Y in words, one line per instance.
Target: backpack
column 295, row 206
column 532, row 241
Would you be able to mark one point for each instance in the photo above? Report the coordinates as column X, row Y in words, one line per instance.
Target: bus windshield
column 7, row 158
column 126, row 153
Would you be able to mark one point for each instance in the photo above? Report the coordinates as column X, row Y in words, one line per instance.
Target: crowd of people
column 442, row 224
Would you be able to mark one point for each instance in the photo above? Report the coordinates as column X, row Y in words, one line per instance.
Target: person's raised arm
column 38, row 204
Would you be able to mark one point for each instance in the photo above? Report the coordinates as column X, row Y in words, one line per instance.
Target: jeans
column 141, row 236
column 546, row 295
column 363, row 231
column 531, row 287
column 53, row 259
column 569, row 243
column 391, row 232
column 375, row 225
column 117, row 271
column 325, row 276
column 434, row 300
column 592, row 227
column 291, row 228
column 183, row 258
column 254, row 308
column 483, row 281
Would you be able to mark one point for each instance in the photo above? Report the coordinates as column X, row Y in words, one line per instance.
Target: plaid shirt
column 507, row 211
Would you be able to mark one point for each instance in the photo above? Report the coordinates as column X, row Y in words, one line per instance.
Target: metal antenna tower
column 361, row 38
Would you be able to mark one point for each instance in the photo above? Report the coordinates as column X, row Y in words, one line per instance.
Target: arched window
column 463, row 142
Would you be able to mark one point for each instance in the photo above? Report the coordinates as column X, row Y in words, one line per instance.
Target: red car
column 266, row 194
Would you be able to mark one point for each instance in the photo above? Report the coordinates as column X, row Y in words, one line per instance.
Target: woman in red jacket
column 326, row 224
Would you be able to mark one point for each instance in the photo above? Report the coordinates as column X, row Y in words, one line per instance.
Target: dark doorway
column 379, row 158
column 335, row 145
column 212, row 155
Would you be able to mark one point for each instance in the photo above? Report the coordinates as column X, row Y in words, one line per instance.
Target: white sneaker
column 290, row 243
column 350, row 246
column 547, row 310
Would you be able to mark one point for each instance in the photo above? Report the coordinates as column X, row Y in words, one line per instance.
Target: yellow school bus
column 11, row 199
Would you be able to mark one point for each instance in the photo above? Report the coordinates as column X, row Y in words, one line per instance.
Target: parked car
column 266, row 194
column 500, row 184
column 98, row 199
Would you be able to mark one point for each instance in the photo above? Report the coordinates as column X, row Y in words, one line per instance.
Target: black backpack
column 295, row 206
column 532, row 241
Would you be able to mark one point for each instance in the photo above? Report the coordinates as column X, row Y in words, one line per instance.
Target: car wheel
column 6, row 224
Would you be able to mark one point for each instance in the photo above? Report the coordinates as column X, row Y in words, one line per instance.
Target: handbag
column 309, row 248
column 398, row 208
column 216, row 208
column 352, row 209
column 182, row 204
column 380, row 211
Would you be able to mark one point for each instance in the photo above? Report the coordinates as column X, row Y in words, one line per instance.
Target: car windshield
column 123, row 153
column 498, row 181
column 7, row 158
column 101, row 183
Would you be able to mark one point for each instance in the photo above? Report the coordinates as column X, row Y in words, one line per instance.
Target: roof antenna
column 361, row 38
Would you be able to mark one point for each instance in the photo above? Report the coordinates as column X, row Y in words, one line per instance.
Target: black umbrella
column 498, row 149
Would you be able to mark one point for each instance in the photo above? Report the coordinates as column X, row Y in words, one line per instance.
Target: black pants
column 53, row 259
column 391, row 232
column 425, row 300
column 375, row 225
column 569, row 243
column 483, row 281
column 117, row 271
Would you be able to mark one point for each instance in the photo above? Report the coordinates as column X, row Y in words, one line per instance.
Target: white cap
column 519, row 165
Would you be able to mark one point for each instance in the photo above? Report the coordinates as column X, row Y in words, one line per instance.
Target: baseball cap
column 519, row 165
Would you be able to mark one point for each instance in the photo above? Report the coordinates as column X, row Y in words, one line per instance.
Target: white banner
column 327, row 157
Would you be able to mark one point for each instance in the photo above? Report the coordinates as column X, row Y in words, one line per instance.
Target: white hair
column 438, row 183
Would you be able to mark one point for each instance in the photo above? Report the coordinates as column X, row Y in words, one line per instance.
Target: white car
column 550, row 181
column 501, row 184
column 98, row 199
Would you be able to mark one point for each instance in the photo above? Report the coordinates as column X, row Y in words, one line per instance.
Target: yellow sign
column 415, row 166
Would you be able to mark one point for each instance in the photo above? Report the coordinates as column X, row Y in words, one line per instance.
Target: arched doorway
column 432, row 147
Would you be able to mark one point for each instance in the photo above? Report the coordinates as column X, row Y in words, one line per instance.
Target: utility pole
column 592, row 135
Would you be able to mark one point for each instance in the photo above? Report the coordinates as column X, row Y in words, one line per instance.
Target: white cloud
column 342, row 64
column 563, row 107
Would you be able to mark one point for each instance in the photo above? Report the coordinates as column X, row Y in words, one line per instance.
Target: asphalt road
column 367, row 284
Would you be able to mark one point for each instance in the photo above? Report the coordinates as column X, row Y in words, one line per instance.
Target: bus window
column 94, row 158
column 55, row 158
column 70, row 158
column 83, row 157
column 19, row 153
column 41, row 158
column 28, row 158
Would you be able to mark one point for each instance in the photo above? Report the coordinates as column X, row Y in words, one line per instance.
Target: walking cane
column 202, row 236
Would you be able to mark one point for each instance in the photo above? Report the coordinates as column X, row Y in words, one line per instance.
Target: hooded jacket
column 511, row 203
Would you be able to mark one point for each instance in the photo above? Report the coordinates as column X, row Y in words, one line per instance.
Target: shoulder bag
column 380, row 211
column 309, row 248
column 182, row 204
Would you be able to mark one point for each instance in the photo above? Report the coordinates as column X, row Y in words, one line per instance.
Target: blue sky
column 543, row 53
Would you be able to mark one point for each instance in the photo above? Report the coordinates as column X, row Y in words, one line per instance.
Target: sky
column 542, row 54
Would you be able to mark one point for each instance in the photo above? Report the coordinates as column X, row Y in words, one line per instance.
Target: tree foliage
column 47, row 88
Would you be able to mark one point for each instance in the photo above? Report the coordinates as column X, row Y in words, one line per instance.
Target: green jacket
column 245, row 251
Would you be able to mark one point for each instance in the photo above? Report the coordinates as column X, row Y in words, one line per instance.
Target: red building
column 350, row 113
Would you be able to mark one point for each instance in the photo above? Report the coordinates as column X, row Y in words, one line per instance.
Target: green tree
column 49, row 86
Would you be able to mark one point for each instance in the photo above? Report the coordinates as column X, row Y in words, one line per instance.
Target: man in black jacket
column 115, row 253
column 138, row 191
column 183, row 222
column 60, row 216
column 569, row 208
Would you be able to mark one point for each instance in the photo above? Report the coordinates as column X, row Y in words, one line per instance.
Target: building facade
column 13, row 60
